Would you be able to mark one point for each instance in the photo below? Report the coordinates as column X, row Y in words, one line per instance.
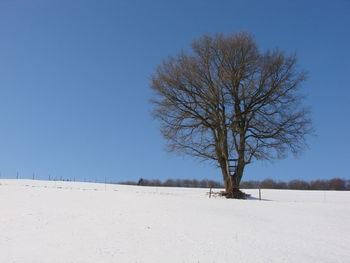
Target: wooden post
column 259, row 193
column 210, row 193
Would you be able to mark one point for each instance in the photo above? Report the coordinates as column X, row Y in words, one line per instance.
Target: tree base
column 235, row 194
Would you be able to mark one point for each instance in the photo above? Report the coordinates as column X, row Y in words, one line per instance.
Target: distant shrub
column 250, row 184
column 268, row 184
column 128, row 183
column 214, row 184
column 319, row 185
column 281, row 185
column 170, row 183
column 298, row 185
column 204, row 184
column 337, row 184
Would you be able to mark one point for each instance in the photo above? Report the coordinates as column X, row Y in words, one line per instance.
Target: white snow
column 46, row 221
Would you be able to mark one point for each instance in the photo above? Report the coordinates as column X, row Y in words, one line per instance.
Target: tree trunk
column 237, row 176
column 238, row 173
column 232, row 181
column 226, row 176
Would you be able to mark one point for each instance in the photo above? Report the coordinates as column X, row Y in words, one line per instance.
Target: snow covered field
column 46, row 221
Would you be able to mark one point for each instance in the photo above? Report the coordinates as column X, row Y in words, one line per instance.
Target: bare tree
column 232, row 104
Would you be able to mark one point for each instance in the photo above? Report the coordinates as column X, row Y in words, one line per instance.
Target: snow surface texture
column 47, row 221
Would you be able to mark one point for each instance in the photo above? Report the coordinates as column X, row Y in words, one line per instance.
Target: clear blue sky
column 75, row 76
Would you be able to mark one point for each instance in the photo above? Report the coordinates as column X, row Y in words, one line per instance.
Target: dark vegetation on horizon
column 331, row 184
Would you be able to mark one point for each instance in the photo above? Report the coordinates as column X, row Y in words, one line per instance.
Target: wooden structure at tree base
column 236, row 194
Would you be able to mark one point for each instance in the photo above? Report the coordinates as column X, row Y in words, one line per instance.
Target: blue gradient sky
column 75, row 75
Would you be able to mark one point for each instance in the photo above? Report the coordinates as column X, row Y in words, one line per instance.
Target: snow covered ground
column 46, row 221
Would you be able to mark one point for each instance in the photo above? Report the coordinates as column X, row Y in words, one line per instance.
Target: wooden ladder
column 232, row 166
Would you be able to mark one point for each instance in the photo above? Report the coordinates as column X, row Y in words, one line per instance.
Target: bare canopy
column 232, row 104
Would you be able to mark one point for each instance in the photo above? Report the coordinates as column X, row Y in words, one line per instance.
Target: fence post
column 210, row 193
column 259, row 193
